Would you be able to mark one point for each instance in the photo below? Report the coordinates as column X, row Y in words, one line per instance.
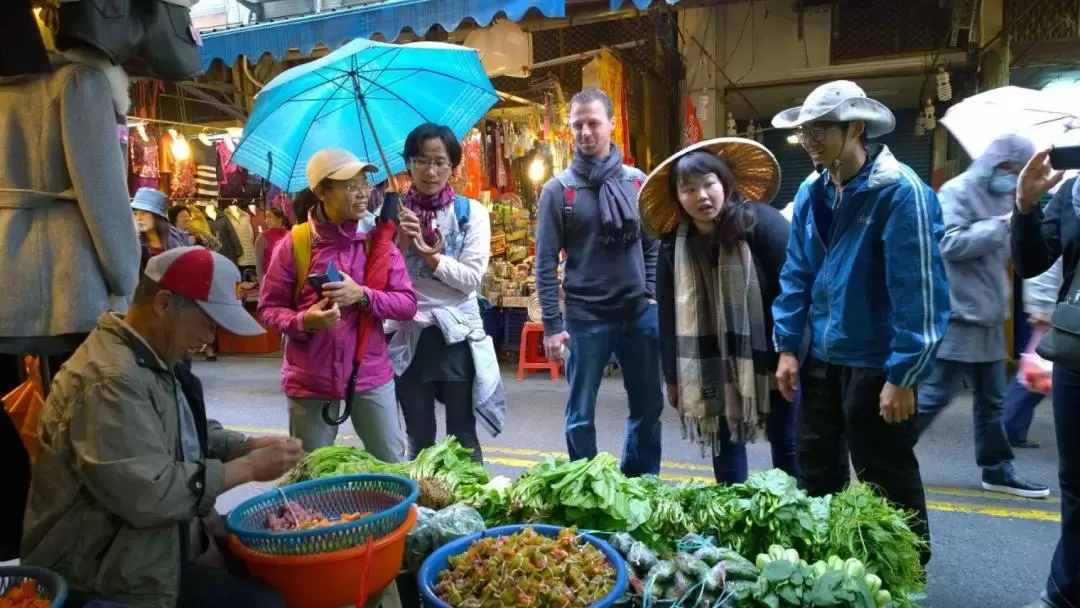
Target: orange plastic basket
column 329, row 580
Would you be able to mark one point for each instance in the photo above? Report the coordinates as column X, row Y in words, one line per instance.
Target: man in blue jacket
column 865, row 277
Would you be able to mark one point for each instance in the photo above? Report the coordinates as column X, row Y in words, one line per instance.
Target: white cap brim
column 233, row 318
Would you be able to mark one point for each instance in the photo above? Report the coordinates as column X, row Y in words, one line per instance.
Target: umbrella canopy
column 1040, row 116
column 365, row 97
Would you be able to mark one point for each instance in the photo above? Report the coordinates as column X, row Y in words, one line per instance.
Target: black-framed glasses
column 422, row 163
column 816, row 132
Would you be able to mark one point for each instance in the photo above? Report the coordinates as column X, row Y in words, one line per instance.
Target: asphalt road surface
column 990, row 551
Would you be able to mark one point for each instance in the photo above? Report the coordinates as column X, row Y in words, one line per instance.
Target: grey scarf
column 617, row 197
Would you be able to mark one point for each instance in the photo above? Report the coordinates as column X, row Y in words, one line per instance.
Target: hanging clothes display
column 231, row 175
column 472, row 180
column 206, row 174
column 144, row 171
column 495, row 160
column 241, row 223
column 231, row 247
column 180, row 169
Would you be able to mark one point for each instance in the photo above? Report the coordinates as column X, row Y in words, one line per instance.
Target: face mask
column 1003, row 183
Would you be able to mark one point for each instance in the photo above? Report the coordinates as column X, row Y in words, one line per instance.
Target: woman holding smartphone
column 320, row 317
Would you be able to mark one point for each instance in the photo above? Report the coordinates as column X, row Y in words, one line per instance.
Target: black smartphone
column 317, row 281
column 1065, row 157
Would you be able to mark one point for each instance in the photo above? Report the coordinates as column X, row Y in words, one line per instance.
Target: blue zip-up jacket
column 868, row 276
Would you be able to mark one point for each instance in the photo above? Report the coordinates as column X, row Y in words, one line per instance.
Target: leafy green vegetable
column 592, row 494
column 453, row 463
column 865, row 526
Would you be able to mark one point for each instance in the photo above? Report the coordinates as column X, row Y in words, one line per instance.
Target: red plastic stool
column 531, row 353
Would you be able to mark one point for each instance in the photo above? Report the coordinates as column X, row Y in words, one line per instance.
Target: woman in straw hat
column 722, row 251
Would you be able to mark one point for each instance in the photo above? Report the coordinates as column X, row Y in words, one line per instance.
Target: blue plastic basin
column 440, row 559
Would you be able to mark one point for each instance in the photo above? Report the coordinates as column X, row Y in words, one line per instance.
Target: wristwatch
column 364, row 299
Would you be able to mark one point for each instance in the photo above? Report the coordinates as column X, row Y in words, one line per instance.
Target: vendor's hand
column 408, row 228
column 262, row 441
column 344, row 292
column 554, row 345
column 1036, row 179
column 673, row 397
column 323, row 315
column 274, row 460
column 897, row 403
column 787, row 375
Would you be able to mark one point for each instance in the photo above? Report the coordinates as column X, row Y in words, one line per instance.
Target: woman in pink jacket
column 321, row 328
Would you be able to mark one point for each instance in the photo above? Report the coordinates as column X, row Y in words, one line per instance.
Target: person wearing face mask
column 709, row 206
column 320, row 327
column 864, row 275
column 978, row 208
column 590, row 212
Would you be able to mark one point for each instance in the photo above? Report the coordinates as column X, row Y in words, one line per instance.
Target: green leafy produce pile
column 747, row 519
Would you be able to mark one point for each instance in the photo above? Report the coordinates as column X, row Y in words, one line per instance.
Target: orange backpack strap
column 301, row 249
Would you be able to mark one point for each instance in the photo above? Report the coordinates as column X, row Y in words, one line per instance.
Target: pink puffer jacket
column 318, row 364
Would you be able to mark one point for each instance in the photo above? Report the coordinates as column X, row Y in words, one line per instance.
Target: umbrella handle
column 346, row 411
column 423, row 247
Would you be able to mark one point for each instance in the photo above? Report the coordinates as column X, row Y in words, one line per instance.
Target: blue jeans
column 730, row 465
column 1020, row 410
column 1063, row 585
column 987, row 380
column 636, row 345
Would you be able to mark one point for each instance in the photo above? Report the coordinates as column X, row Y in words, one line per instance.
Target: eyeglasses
column 816, row 132
column 353, row 188
column 426, row 163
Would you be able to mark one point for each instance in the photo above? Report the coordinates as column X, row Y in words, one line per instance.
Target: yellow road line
column 511, row 457
column 1007, row 512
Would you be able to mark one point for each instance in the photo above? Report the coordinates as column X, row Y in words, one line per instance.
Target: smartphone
column 318, row 281
column 1065, row 157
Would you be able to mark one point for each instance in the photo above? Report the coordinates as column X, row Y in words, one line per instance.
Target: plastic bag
column 24, row 403
column 420, row 541
column 1035, row 373
column 438, row 528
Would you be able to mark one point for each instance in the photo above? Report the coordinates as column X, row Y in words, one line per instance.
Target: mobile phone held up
column 318, row 281
column 1065, row 157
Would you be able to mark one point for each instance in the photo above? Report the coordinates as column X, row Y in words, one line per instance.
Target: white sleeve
column 1041, row 292
column 465, row 272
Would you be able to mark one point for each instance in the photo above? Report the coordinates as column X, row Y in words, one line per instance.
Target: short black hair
column 303, row 203
column 737, row 217
column 591, row 94
column 414, row 143
column 175, row 211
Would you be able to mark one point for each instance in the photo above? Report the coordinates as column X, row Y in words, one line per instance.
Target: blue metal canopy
column 335, row 28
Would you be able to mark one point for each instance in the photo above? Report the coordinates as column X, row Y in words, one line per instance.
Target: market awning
column 335, row 28
column 639, row 4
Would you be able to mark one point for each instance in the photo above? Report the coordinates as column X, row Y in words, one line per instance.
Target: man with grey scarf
column 590, row 212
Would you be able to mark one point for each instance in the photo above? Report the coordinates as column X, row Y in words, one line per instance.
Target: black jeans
column 202, row 587
column 1063, row 586
column 839, row 415
column 417, row 401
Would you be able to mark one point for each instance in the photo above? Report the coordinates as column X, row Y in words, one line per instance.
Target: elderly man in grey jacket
column 1040, row 299
column 127, row 468
column 978, row 206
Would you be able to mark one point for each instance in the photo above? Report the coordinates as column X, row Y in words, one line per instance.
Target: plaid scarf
column 722, row 347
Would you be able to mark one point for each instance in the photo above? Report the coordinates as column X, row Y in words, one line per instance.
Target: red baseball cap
column 209, row 279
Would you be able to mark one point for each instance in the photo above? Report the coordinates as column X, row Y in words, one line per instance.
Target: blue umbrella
column 365, row 97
